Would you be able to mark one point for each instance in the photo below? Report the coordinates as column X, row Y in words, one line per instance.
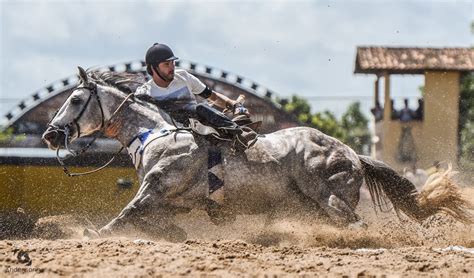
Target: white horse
column 292, row 166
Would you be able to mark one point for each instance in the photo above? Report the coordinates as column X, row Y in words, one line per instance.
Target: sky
column 291, row 47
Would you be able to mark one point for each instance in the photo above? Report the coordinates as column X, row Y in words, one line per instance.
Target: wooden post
column 387, row 108
column 387, row 121
column 376, row 91
column 374, row 132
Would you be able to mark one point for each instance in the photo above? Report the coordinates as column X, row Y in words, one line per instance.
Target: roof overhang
column 412, row 60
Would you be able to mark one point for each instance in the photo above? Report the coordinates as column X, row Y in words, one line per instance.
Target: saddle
column 239, row 139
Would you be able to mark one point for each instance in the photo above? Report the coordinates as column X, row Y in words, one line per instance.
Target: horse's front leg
column 162, row 227
column 148, row 198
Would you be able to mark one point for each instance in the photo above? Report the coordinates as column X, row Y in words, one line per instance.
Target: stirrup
column 245, row 121
column 234, row 130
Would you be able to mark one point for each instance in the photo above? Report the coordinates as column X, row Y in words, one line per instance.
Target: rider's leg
column 216, row 118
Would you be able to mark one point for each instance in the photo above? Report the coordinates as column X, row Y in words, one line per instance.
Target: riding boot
column 249, row 136
column 218, row 119
column 247, row 139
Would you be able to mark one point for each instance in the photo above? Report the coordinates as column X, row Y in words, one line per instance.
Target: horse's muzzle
column 54, row 137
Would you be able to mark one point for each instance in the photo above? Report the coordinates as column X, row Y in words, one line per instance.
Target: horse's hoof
column 175, row 234
column 358, row 225
column 219, row 218
column 105, row 232
column 220, row 215
column 91, row 233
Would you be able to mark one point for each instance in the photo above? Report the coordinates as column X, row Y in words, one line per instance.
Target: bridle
column 92, row 88
column 93, row 92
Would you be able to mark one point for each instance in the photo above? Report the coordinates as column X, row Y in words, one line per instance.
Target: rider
column 175, row 92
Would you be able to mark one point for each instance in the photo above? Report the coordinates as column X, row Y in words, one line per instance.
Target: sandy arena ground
column 289, row 247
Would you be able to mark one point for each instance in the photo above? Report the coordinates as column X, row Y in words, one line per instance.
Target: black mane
column 124, row 81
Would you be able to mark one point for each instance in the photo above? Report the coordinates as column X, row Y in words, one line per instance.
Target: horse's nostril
column 49, row 136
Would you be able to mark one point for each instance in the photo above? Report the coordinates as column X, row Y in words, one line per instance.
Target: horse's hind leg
column 352, row 219
column 337, row 209
column 336, row 192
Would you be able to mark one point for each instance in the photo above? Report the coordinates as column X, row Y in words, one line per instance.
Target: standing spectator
column 406, row 114
column 377, row 111
column 418, row 115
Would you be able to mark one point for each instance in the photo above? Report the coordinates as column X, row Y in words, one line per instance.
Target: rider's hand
column 239, row 109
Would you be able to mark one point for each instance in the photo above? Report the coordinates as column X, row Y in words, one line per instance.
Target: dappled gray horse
column 292, row 166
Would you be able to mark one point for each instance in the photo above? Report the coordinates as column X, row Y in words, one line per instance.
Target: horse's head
column 80, row 115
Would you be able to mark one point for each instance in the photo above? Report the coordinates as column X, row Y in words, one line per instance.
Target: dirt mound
column 60, row 227
column 16, row 224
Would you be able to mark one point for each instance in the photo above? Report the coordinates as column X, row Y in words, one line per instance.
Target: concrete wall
column 46, row 190
column 440, row 128
column 436, row 137
column 391, row 135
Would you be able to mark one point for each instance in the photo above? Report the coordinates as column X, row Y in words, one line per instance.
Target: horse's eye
column 75, row 100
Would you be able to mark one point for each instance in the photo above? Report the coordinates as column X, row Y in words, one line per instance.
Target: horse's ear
column 83, row 75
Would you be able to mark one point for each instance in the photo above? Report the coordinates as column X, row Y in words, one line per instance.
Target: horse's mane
column 123, row 81
column 127, row 83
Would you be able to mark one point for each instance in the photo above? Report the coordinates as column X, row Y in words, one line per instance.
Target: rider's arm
column 221, row 100
column 224, row 102
column 199, row 88
column 218, row 99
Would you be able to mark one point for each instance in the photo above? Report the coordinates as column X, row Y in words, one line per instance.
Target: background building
column 431, row 132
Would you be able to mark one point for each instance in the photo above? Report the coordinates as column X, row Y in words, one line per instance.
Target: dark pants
column 205, row 114
column 213, row 116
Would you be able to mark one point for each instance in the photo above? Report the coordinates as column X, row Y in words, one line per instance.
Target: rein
column 104, row 125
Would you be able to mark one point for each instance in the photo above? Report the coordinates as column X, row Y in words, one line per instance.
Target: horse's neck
column 132, row 117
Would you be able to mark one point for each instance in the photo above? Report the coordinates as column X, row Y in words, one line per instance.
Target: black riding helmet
column 158, row 53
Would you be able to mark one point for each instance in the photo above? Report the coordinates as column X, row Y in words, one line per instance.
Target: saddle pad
column 136, row 147
column 215, row 175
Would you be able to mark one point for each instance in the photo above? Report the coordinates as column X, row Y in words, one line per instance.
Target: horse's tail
column 439, row 193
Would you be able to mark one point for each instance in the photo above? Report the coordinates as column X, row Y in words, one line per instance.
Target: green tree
column 327, row 123
column 7, row 136
column 466, row 121
column 300, row 108
column 352, row 129
column 355, row 125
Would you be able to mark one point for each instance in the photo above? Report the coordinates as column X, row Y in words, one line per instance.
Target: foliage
column 421, row 89
column 7, row 136
column 352, row 129
column 355, row 125
column 327, row 123
column 466, row 121
column 300, row 108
